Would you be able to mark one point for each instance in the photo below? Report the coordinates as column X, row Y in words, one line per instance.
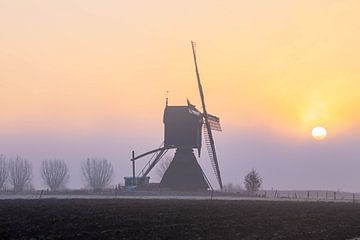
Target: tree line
column 17, row 172
column 96, row 173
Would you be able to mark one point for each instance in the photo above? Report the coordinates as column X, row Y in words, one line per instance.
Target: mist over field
column 283, row 164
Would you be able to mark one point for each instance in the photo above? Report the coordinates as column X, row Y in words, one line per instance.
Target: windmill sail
column 211, row 148
column 214, row 123
column 211, row 155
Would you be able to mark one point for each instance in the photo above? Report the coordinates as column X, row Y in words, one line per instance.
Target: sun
column 319, row 133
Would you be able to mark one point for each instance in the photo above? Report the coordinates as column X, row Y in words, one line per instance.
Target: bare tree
column 20, row 171
column 3, row 171
column 97, row 173
column 162, row 166
column 253, row 182
column 54, row 173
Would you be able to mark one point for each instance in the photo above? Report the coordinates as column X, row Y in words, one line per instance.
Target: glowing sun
column 319, row 133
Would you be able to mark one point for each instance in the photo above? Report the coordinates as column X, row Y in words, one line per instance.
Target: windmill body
column 183, row 130
column 183, row 125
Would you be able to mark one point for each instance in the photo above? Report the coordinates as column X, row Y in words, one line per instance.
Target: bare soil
column 176, row 219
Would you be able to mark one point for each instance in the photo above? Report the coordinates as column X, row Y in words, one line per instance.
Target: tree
column 3, row 171
column 252, row 182
column 97, row 173
column 20, row 171
column 54, row 173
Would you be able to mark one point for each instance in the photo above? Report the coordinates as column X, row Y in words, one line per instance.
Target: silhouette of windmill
column 183, row 131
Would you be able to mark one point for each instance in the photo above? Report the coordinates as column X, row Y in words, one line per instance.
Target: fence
column 311, row 195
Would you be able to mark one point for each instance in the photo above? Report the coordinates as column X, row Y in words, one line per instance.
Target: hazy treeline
column 97, row 173
column 17, row 172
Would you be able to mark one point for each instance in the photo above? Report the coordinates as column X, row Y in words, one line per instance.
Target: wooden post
column 308, row 195
column 133, row 166
column 41, row 193
column 326, row 195
column 334, row 195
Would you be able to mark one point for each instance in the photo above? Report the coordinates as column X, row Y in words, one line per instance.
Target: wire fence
column 321, row 195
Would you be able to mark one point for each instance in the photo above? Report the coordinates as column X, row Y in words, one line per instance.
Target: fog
column 283, row 163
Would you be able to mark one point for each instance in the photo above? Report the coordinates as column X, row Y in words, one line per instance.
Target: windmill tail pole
column 133, row 165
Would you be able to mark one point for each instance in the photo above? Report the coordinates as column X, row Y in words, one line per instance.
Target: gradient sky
column 89, row 78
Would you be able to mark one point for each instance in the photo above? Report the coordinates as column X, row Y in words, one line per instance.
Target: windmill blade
column 213, row 159
column 214, row 123
column 211, row 148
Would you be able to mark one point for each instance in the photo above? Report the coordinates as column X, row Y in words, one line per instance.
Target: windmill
column 184, row 126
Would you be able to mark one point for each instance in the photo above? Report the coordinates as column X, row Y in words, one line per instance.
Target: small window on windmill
column 183, row 126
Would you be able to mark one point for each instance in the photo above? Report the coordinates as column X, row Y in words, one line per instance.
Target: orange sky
column 90, row 77
column 79, row 64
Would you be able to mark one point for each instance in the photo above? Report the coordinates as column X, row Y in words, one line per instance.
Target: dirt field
column 176, row 219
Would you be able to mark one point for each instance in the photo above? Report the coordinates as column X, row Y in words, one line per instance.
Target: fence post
column 41, row 193
column 308, row 195
column 334, row 195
